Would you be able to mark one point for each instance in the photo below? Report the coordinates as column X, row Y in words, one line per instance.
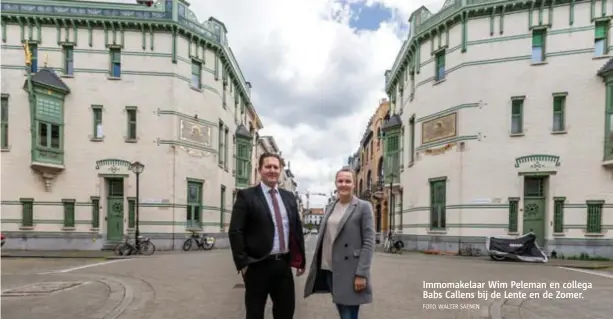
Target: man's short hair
column 267, row 155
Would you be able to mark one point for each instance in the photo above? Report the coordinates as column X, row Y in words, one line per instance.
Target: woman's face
column 344, row 183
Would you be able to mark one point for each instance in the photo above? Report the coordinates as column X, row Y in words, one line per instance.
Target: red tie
column 278, row 219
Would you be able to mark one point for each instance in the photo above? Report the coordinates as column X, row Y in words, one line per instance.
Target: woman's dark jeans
column 344, row 311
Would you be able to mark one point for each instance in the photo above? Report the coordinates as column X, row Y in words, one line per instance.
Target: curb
column 55, row 256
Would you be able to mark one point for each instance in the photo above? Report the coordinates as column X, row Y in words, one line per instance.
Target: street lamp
column 137, row 168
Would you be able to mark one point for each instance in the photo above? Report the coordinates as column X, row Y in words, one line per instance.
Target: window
column 131, row 112
column 131, row 212
column 538, row 46
column 438, row 212
column 68, row 213
column 68, row 60
column 412, row 141
column 196, row 74
column 27, row 212
column 601, row 38
column 34, row 51
column 412, row 85
column 513, row 214
column 95, row 212
column 440, row 66
column 194, row 204
column 49, row 122
column 4, row 134
column 97, row 113
column 222, row 207
column 558, row 215
column 608, row 144
column 115, row 70
column 220, row 151
column 594, row 217
column 517, row 117
column 243, row 162
column 226, row 148
column 559, row 103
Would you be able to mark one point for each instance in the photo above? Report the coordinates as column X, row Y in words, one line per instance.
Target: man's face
column 270, row 171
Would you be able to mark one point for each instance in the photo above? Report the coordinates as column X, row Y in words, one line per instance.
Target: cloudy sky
column 317, row 70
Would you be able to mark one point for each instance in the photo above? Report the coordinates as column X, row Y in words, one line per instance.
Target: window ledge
column 513, row 233
column 439, row 81
column 96, row 139
column 411, row 164
column 192, row 228
column 516, row 134
column 604, row 56
column 67, row 76
column 94, row 229
column 69, row 228
column 6, row 149
column 195, row 89
column 558, row 234
column 607, row 162
column 595, row 234
column 437, row 232
column 539, row 63
column 113, row 78
column 558, row 132
column 26, row 228
column 131, row 140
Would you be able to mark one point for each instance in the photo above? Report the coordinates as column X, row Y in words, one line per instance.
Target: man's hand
column 244, row 270
column 299, row 272
column 359, row 283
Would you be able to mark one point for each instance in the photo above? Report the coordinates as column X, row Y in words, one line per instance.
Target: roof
column 607, row 68
column 241, row 130
column 46, row 77
column 394, row 121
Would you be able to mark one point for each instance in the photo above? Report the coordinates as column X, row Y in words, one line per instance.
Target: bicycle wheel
column 208, row 243
column 147, row 248
column 121, row 249
column 187, row 245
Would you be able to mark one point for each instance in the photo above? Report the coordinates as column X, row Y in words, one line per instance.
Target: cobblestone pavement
column 202, row 285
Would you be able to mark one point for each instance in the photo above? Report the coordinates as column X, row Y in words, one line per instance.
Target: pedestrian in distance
column 267, row 242
column 345, row 247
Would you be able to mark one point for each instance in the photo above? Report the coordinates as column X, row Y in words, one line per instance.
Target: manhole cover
column 41, row 288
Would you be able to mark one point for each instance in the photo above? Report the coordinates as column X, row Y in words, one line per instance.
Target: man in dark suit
column 267, row 241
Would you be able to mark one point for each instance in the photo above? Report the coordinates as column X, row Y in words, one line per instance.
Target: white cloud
column 316, row 82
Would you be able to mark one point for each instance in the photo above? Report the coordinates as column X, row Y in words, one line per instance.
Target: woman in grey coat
column 345, row 246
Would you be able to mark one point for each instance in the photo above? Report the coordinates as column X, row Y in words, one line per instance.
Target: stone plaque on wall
column 439, row 128
column 194, row 132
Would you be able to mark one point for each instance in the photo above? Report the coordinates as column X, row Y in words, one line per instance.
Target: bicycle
column 127, row 248
column 203, row 241
column 470, row 251
column 392, row 245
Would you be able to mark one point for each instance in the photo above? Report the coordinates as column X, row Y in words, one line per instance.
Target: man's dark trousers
column 271, row 276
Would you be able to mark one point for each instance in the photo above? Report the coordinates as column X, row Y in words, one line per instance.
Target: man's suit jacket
column 252, row 229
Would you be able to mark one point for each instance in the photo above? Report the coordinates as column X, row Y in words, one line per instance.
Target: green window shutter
column 196, row 68
column 594, row 218
column 558, row 216
column 115, row 56
column 440, row 59
column 558, row 104
column 513, row 215
column 69, row 218
column 601, row 30
column 27, row 212
column 516, row 107
column 131, row 213
column 537, row 38
column 95, row 213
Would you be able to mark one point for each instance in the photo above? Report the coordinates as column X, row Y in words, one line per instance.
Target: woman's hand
column 359, row 283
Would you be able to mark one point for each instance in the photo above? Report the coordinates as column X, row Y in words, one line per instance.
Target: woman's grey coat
column 352, row 253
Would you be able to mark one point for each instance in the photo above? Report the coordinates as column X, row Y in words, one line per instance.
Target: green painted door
column 114, row 209
column 534, row 208
column 114, row 218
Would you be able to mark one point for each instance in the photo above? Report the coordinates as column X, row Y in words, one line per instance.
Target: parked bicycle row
column 144, row 246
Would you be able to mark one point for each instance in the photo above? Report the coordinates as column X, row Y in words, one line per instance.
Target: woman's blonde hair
column 347, row 169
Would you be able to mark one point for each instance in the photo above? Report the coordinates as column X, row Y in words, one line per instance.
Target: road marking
column 82, row 267
column 602, row 274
